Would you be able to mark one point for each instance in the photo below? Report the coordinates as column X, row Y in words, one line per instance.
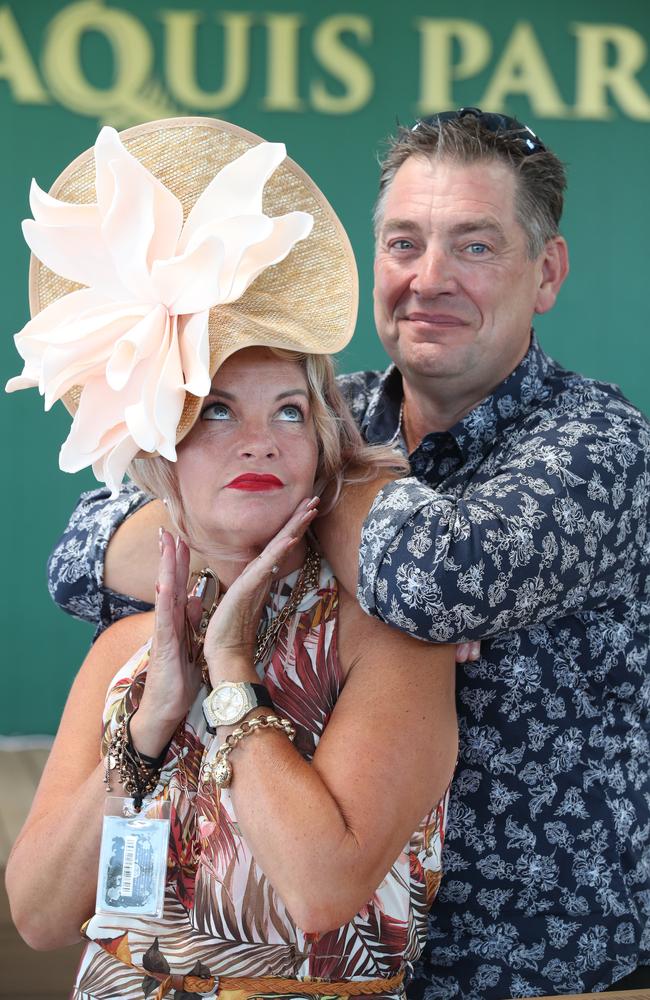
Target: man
column 524, row 525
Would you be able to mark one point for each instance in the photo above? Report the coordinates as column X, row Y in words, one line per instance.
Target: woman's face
column 251, row 457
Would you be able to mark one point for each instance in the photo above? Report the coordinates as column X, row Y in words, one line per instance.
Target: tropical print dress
column 221, row 915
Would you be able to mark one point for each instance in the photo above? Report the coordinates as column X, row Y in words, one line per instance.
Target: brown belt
column 265, row 985
column 242, row 988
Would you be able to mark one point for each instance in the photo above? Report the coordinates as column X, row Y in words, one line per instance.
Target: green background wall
column 330, row 78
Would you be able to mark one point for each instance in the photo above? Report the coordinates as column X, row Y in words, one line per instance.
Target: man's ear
column 554, row 269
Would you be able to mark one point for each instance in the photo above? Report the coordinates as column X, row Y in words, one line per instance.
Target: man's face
column 455, row 289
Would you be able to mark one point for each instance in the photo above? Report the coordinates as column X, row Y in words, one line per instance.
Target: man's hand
column 468, row 651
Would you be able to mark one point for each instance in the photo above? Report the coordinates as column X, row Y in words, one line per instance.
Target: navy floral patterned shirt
column 525, row 525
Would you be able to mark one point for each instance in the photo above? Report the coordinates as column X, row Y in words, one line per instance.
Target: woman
column 284, row 869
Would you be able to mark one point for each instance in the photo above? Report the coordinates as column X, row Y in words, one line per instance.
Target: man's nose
column 434, row 273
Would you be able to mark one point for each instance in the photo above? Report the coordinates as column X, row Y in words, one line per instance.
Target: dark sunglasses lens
column 493, row 122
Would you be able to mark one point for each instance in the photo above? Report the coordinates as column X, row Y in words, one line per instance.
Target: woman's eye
column 291, row 413
column 216, row 411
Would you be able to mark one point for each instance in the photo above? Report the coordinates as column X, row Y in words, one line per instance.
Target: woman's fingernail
column 161, row 532
column 178, row 542
column 461, row 652
column 157, row 587
column 476, row 650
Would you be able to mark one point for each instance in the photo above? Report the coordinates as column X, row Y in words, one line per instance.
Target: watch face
column 229, row 703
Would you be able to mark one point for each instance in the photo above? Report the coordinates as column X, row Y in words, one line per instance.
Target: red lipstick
column 255, row 482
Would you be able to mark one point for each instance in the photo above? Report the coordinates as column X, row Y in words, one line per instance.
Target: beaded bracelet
column 219, row 769
column 138, row 773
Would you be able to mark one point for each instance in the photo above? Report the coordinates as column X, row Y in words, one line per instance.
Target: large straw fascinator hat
column 156, row 255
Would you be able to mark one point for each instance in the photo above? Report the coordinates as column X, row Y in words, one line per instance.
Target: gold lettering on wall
column 438, row 37
column 596, row 75
column 522, row 69
column 345, row 65
column 283, row 62
column 16, row 65
column 336, row 78
column 181, row 58
column 132, row 58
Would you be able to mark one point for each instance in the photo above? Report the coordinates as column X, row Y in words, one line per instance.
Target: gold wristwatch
column 230, row 701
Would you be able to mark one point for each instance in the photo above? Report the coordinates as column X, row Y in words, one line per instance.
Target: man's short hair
column 540, row 175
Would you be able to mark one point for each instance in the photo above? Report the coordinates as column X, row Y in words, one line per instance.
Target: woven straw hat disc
column 307, row 302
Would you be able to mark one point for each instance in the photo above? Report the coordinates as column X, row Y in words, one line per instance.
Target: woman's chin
column 240, row 540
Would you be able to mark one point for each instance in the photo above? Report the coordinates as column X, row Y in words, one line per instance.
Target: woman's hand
column 230, row 639
column 172, row 680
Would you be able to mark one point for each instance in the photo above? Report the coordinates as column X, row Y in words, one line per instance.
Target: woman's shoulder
column 120, row 648
column 125, row 636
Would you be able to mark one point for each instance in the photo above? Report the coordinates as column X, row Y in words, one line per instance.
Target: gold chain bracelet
column 219, row 769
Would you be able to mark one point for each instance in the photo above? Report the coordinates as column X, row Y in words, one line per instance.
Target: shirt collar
column 474, row 434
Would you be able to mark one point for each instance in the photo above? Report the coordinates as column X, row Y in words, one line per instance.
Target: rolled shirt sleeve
column 75, row 569
column 554, row 523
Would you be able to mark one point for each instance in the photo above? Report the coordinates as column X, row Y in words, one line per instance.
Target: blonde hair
column 343, row 456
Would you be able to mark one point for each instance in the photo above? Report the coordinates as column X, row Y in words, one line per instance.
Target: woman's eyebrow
column 293, row 392
column 214, row 391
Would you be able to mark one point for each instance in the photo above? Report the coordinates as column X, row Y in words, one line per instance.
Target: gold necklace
column 308, row 580
column 208, row 586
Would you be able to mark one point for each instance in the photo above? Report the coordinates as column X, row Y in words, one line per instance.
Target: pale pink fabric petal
column 190, row 283
column 77, row 253
column 70, row 354
column 111, row 468
column 66, row 365
column 286, row 232
column 169, row 397
column 63, row 321
column 137, row 339
column 127, row 229
column 236, row 190
column 235, row 236
column 130, row 224
column 68, row 308
column 113, row 164
column 109, row 456
column 141, row 340
column 73, row 458
column 99, row 435
column 194, row 340
column 100, row 411
column 50, row 211
column 21, row 382
column 153, row 417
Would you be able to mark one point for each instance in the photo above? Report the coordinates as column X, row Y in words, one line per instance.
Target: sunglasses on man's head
column 510, row 128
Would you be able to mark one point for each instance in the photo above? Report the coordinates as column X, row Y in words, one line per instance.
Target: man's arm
column 76, row 577
column 132, row 554
column 558, row 527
